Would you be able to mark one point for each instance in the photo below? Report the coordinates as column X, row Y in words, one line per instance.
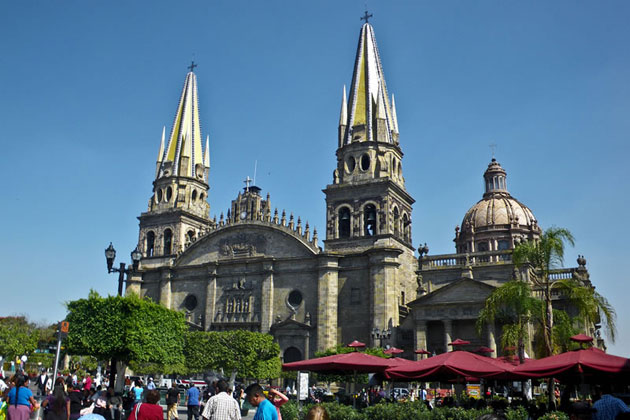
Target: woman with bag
column 150, row 410
column 21, row 400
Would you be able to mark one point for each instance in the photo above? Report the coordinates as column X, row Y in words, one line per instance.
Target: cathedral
column 260, row 270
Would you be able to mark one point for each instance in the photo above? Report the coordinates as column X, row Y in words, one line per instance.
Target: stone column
column 307, row 345
column 421, row 337
column 165, row 288
column 328, row 298
column 448, row 332
column 491, row 340
column 134, row 284
column 211, row 297
column 266, row 299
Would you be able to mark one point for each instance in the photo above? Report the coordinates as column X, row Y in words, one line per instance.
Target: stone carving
column 242, row 245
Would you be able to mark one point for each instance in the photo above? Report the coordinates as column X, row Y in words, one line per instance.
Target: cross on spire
column 366, row 16
column 247, row 181
column 192, row 66
column 493, row 147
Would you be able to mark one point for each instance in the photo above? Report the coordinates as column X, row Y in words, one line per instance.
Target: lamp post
column 110, row 256
column 381, row 335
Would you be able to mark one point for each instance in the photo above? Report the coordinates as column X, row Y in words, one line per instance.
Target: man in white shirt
column 222, row 406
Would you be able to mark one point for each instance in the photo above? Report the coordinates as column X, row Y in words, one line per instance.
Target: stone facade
column 257, row 269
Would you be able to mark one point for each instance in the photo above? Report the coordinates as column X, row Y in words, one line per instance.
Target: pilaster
column 421, row 337
column 383, row 287
column 211, row 295
column 328, row 298
column 266, row 303
column 448, row 333
column 165, row 287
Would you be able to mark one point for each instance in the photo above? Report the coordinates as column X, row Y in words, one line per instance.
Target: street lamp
column 110, row 256
column 381, row 335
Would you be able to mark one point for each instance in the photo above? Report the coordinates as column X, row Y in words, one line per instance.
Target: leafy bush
column 338, row 411
column 516, row 413
column 555, row 415
column 290, row 411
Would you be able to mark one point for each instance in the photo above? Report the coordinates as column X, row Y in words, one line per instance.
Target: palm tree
column 544, row 255
column 514, row 305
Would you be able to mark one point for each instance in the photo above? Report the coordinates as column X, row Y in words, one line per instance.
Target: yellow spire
column 368, row 92
column 184, row 155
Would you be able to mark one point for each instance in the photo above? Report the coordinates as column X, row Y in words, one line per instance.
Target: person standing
column 278, row 399
column 192, row 402
column 20, row 399
column 608, row 406
column 222, row 406
column 150, row 384
column 264, row 409
column 151, row 410
column 137, row 392
column 172, row 401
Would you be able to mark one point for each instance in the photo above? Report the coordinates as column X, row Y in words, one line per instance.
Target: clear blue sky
column 85, row 88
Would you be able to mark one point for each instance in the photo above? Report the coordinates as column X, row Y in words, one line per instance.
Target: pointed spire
column 184, row 152
column 343, row 114
column 160, row 153
column 367, row 91
column 394, row 116
column 206, row 153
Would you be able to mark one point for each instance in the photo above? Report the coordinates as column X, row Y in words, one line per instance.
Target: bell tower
column 367, row 201
column 178, row 209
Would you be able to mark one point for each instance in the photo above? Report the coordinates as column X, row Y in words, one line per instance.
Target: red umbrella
column 422, row 351
column 459, row 342
column 393, row 350
column 483, row 349
column 341, row 363
column 356, row 344
column 582, row 338
column 448, row 366
column 586, row 363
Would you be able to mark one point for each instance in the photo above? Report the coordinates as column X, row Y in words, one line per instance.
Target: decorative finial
column 366, row 16
column 493, row 148
column 192, row 66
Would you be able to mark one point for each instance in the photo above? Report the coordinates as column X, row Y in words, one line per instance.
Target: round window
column 365, row 162
column 190, row 302
column 350, row 164
column 295, row 298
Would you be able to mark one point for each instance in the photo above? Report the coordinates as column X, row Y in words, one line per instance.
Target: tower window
column 169, row 194
column 482, row 246
column 503, row 245
column 369, row 220
column 396, row 221
column 191, row 235
column 365, row 162
column 150, row 243
column 168, row 242
column 159, row 195
column 194, row 195
column 350, row 164
column 344, row 222
column 406, row 227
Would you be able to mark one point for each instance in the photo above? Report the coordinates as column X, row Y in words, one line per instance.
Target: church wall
column 354, row 313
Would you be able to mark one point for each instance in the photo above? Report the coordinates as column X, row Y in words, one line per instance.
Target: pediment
column 460, row 291
column 247, row 240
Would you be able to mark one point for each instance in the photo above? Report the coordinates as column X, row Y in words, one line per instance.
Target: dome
column 498, row 220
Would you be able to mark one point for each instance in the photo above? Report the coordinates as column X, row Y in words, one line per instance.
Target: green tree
column 244, row 353
column 514, row 306
column 544, row 255
column 17, row 337
column 125, row 329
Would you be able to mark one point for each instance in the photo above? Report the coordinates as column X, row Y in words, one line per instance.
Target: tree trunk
column 119, row 385
column 548, row 327
column 232, row 379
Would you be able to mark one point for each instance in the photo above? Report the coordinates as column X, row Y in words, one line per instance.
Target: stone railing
column 463, row 260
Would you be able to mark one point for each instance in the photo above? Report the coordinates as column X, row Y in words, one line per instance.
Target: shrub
column 555, row 415
column 290, row 411
column 516, row 413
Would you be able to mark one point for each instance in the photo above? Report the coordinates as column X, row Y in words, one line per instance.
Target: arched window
column 369, row 220
column 396, row 221
column 292, row 354
column 344, row 222
column 168, row 242
column 150, row 243
column 191, row 235
column 406, row 226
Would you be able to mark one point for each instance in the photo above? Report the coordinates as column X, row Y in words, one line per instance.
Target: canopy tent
column 585, row 364
column 393, row 350
column 356, row 344
column 342, row 363
column 447, row 366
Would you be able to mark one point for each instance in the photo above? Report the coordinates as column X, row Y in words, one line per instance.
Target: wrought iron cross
column 192, row 66
column 493, row 147
column 366, row 16
column 247, row 181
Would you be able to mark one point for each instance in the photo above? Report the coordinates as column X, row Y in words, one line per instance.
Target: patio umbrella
column 393, row 350
column 581, row 338
column 483, row 350
column 422, row 351
column 585, row 364
column 459, row 342
column 356, row 344
column 447, row 366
